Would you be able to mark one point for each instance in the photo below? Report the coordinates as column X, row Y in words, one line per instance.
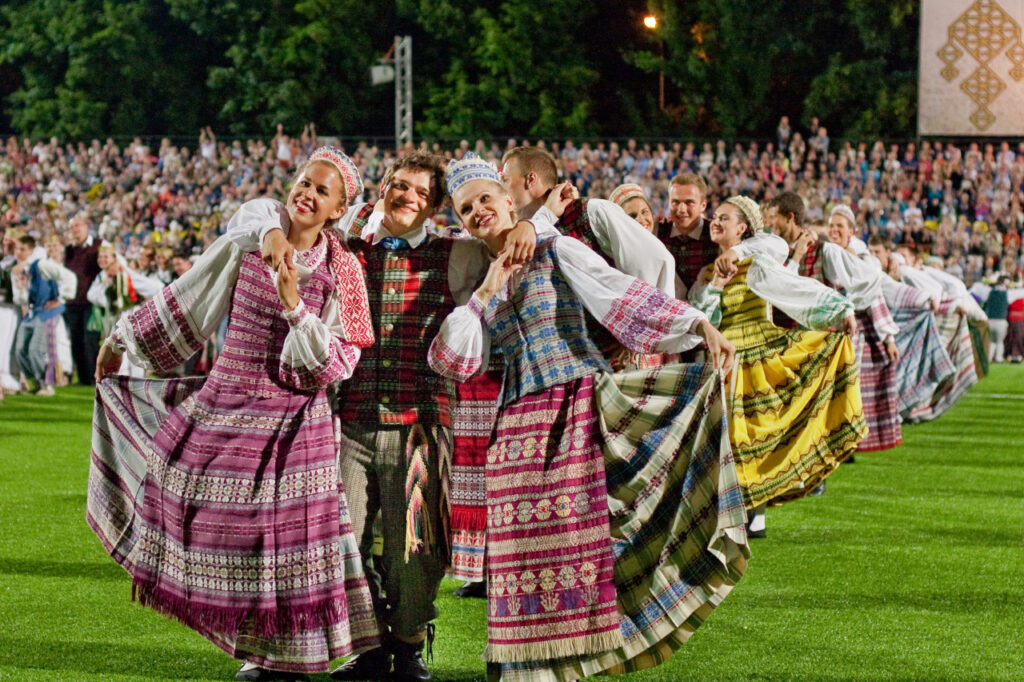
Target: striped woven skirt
column 956, row 339
column 616, row 523
column 924, row 364
column 473, row 416
column 877, row 389
column 128, row 417
column 796, row 413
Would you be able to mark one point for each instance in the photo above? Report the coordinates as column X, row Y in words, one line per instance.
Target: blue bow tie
column 393, row 243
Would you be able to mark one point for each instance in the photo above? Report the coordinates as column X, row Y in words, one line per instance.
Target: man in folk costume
column 530, row 174
column 395, row 411
column 686, row 233
column 40, row 286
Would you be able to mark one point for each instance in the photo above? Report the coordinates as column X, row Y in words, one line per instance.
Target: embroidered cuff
column 115, row 342
column 475, row 306
column 296, row 314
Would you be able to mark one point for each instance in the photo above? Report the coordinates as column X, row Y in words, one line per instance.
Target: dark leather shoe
column 374, row 664
column 476, row 589
column 409, row 663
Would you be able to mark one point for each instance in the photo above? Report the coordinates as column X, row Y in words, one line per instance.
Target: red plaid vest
column 575, row 222
column 409, row 299
column 691, row 255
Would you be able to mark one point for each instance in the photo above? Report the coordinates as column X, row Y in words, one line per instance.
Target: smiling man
column 686, row 233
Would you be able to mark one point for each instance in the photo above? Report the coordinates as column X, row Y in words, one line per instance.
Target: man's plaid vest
column 409, row 299
column 691, row 255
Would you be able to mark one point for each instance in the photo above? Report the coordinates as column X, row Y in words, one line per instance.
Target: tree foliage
column 289, row 62
column 512, row 68
column 93, row 67
column 552, row 68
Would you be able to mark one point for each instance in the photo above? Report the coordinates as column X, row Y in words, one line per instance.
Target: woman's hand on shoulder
column 498, row 274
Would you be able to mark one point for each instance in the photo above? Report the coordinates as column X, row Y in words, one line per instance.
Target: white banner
column 971, row 79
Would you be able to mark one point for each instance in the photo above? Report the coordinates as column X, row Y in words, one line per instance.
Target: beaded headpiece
column 470, row 167
column 624, row 193
column 347, row 169
column 750, row 210
column 846, row 212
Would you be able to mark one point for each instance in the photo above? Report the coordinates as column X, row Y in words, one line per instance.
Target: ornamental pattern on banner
column 971, row 67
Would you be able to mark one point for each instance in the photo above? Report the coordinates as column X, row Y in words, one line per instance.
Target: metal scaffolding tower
column 403, row 90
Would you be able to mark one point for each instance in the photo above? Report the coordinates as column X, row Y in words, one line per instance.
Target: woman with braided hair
column 796, row 407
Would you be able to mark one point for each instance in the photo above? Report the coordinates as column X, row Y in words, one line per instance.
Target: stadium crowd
column 157, row 207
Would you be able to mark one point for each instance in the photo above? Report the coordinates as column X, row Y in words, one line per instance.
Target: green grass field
column 911, row 567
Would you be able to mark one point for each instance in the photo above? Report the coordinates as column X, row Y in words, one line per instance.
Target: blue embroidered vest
column 542, row 330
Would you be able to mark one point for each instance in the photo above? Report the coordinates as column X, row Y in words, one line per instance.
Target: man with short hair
column 530, row 174
column 687, row 235
column 80, row 257
column 826, row 262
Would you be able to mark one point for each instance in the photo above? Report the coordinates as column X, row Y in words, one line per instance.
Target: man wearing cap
column 395, row 411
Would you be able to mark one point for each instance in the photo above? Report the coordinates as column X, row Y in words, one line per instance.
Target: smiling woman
column 191, row 475
column 575, row 446
column 796, row 404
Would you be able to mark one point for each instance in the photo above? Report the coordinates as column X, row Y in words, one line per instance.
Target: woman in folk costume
column 977, row 320
column 114, row 292
column 796, row 407
column 615, row 524
column 951, row 322
column 221, row 496
column 631, row 198
column 924, row 365
column 875, row 347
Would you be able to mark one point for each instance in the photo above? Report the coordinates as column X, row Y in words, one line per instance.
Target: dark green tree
column 95, row 67
column 513, row 67
column 869, row 87
column 293, row 62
